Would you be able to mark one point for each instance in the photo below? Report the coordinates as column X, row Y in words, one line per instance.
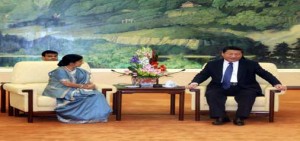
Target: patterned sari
column 76, row 105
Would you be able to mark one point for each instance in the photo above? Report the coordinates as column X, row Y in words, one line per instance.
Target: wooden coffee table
column 122, row 89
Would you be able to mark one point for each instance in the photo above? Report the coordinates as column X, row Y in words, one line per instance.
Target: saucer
column 169, row 86
column 132, row 86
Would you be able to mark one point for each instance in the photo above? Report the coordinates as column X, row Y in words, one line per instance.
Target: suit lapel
column 241, row 69
column 219, row 69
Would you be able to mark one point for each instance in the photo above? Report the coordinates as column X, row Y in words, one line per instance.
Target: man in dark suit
column 233, row 75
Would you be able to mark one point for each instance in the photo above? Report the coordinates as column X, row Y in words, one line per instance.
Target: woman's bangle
column 81, row 86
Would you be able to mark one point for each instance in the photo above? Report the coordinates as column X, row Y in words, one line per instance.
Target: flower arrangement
column 145, row 64
column 145, row 69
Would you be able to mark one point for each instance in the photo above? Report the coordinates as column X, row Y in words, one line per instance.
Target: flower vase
column 134, row 81
column 146, row 81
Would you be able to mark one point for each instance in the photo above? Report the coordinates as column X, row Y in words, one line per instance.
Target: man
column 49, row 55
column 233, row 75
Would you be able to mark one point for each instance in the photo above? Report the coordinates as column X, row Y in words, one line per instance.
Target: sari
column 75, row 105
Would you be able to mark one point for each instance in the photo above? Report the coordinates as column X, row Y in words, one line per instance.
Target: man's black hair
column 49, row 52
column 232, row 48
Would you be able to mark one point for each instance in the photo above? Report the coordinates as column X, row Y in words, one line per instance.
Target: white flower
column 144, row 52
column 144, row 61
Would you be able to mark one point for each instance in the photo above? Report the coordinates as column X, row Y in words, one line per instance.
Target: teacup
column 170, row 83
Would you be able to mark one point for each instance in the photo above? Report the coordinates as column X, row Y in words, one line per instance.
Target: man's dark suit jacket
column 247, row 70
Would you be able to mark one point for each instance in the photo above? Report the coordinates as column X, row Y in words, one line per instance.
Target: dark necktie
column 227, row 76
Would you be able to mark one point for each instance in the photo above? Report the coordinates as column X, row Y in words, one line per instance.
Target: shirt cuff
column 195, row 83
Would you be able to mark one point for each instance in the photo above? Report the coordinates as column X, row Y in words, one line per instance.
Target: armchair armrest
column 18, row 88
column 30, row 92
column 269, row 90
column 278, row 92
column 293, row 87
column 101, row 86
column 202, row 88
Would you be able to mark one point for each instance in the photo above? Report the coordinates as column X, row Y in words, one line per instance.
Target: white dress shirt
column 234, row 72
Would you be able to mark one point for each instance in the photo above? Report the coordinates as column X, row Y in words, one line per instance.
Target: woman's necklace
column 68, row 69
column 71, row 72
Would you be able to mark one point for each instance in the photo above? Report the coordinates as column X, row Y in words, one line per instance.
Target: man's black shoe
column 238, row 122
column 221, row 121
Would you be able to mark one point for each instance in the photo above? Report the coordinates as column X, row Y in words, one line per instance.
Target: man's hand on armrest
column 192, row 85
column 280, row 87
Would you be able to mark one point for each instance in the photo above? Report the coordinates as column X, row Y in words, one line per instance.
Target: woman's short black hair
column 70, row 58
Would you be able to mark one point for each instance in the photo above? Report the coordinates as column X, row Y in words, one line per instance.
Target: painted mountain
column 184, row 33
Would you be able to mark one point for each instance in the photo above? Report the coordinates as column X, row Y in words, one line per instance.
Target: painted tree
column 281, row 55
column 219, row 3
column 296, row 53
column 260, row 51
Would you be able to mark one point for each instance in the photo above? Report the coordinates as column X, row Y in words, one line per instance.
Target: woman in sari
column 78, row 101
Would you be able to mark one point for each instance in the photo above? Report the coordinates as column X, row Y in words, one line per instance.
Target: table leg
column 172, row 104
column 181, row 105
column 119, row 105
column 114, row 103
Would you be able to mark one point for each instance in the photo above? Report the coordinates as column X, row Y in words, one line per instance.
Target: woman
column 78, row 101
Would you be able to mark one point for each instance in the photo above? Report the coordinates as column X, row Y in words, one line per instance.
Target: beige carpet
column 146, row 117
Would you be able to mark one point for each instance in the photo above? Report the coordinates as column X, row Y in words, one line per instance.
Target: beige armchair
column 267, row 104
column 28, row 81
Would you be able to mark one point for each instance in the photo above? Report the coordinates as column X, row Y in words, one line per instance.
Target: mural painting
column 185, row 34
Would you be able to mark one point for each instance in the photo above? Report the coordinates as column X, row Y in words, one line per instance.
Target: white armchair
column 267, row 104
column 28, row 81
